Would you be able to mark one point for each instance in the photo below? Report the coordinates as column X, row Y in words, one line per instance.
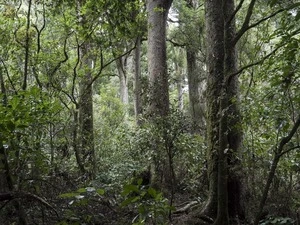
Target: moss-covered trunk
column 234, row 118
column 215, row 77
column 224, row 125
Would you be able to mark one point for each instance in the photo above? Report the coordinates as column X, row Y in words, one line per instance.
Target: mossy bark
column 159, row 86
column 157, row 57
column 215, row 77
column 223, row 120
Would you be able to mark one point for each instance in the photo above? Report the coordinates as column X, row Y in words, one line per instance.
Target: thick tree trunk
column 215, row 77
column 157, row 57
column 236, row 209
column 224, row 130
column 159, row 87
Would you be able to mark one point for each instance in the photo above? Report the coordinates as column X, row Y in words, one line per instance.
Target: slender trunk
column 75, row 141
column 51, row 134
column 137, row 80
column 4, row 162
column 86, row 117
column 196, row 109
column 26, row 60
column 121, row 66
column 179, row 79
column 278, row 154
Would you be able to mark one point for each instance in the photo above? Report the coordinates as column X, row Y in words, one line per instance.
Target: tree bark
column 194, row 77
column 159, row 88
column 86, row 116
column 121, row 66
column 157, row 57
column 137, row 80
column 235, row 207
column 215, row 77
column 224, row 130
column 85, row 103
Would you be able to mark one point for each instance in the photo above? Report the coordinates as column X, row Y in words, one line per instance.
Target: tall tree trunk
column 137, row 80
column 180, row 84
column 215, row 77
column 85, row 104
column 159, row 87
column 224, row 130
column 157, row 56
column 86, row 117
column 75, row 140
column 121, row 66
column 195, row 106
column 236, row 209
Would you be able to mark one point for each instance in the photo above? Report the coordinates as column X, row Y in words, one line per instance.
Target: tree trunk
column 195, row 106
column 137, row 80
column 159, row 87
column 157, row 57
column 85, row 104
column 180, row 84
column 75, row 140
column 86, row 117
column 236, row 209
column 215, row 77
column 224, row 130
column 121, row 66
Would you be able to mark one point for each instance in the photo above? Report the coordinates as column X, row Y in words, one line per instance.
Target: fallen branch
column 8, row 196
column 186, row 208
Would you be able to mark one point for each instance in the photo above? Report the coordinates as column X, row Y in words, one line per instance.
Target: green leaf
column 140, row 181
column 129, row 188
column 100, row 191
column 81, row 190
column 152, row 192
column 272, row 2
column 68, row 195
column 11, row 126
column 297, row 17
column 130, row 200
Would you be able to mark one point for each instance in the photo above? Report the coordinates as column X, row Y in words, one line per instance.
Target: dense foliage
column 52, row 53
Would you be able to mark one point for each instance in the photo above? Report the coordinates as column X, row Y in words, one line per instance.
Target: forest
column 149, row 112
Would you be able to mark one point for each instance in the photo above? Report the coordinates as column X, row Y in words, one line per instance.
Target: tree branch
column 239, row 6
column 286, row 139
column 176, row 43
column 272, row 171
column 254, row 64
column 288, row 150
column 245, row 27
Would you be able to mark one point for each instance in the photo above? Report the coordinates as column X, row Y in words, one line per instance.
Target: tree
column 157, row 59
column 224, row 120
column 159, row 86
column 195, row 71
column 215, row 96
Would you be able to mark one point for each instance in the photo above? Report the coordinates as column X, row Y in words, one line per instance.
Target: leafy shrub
column 277, row 221
column 151, row 205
